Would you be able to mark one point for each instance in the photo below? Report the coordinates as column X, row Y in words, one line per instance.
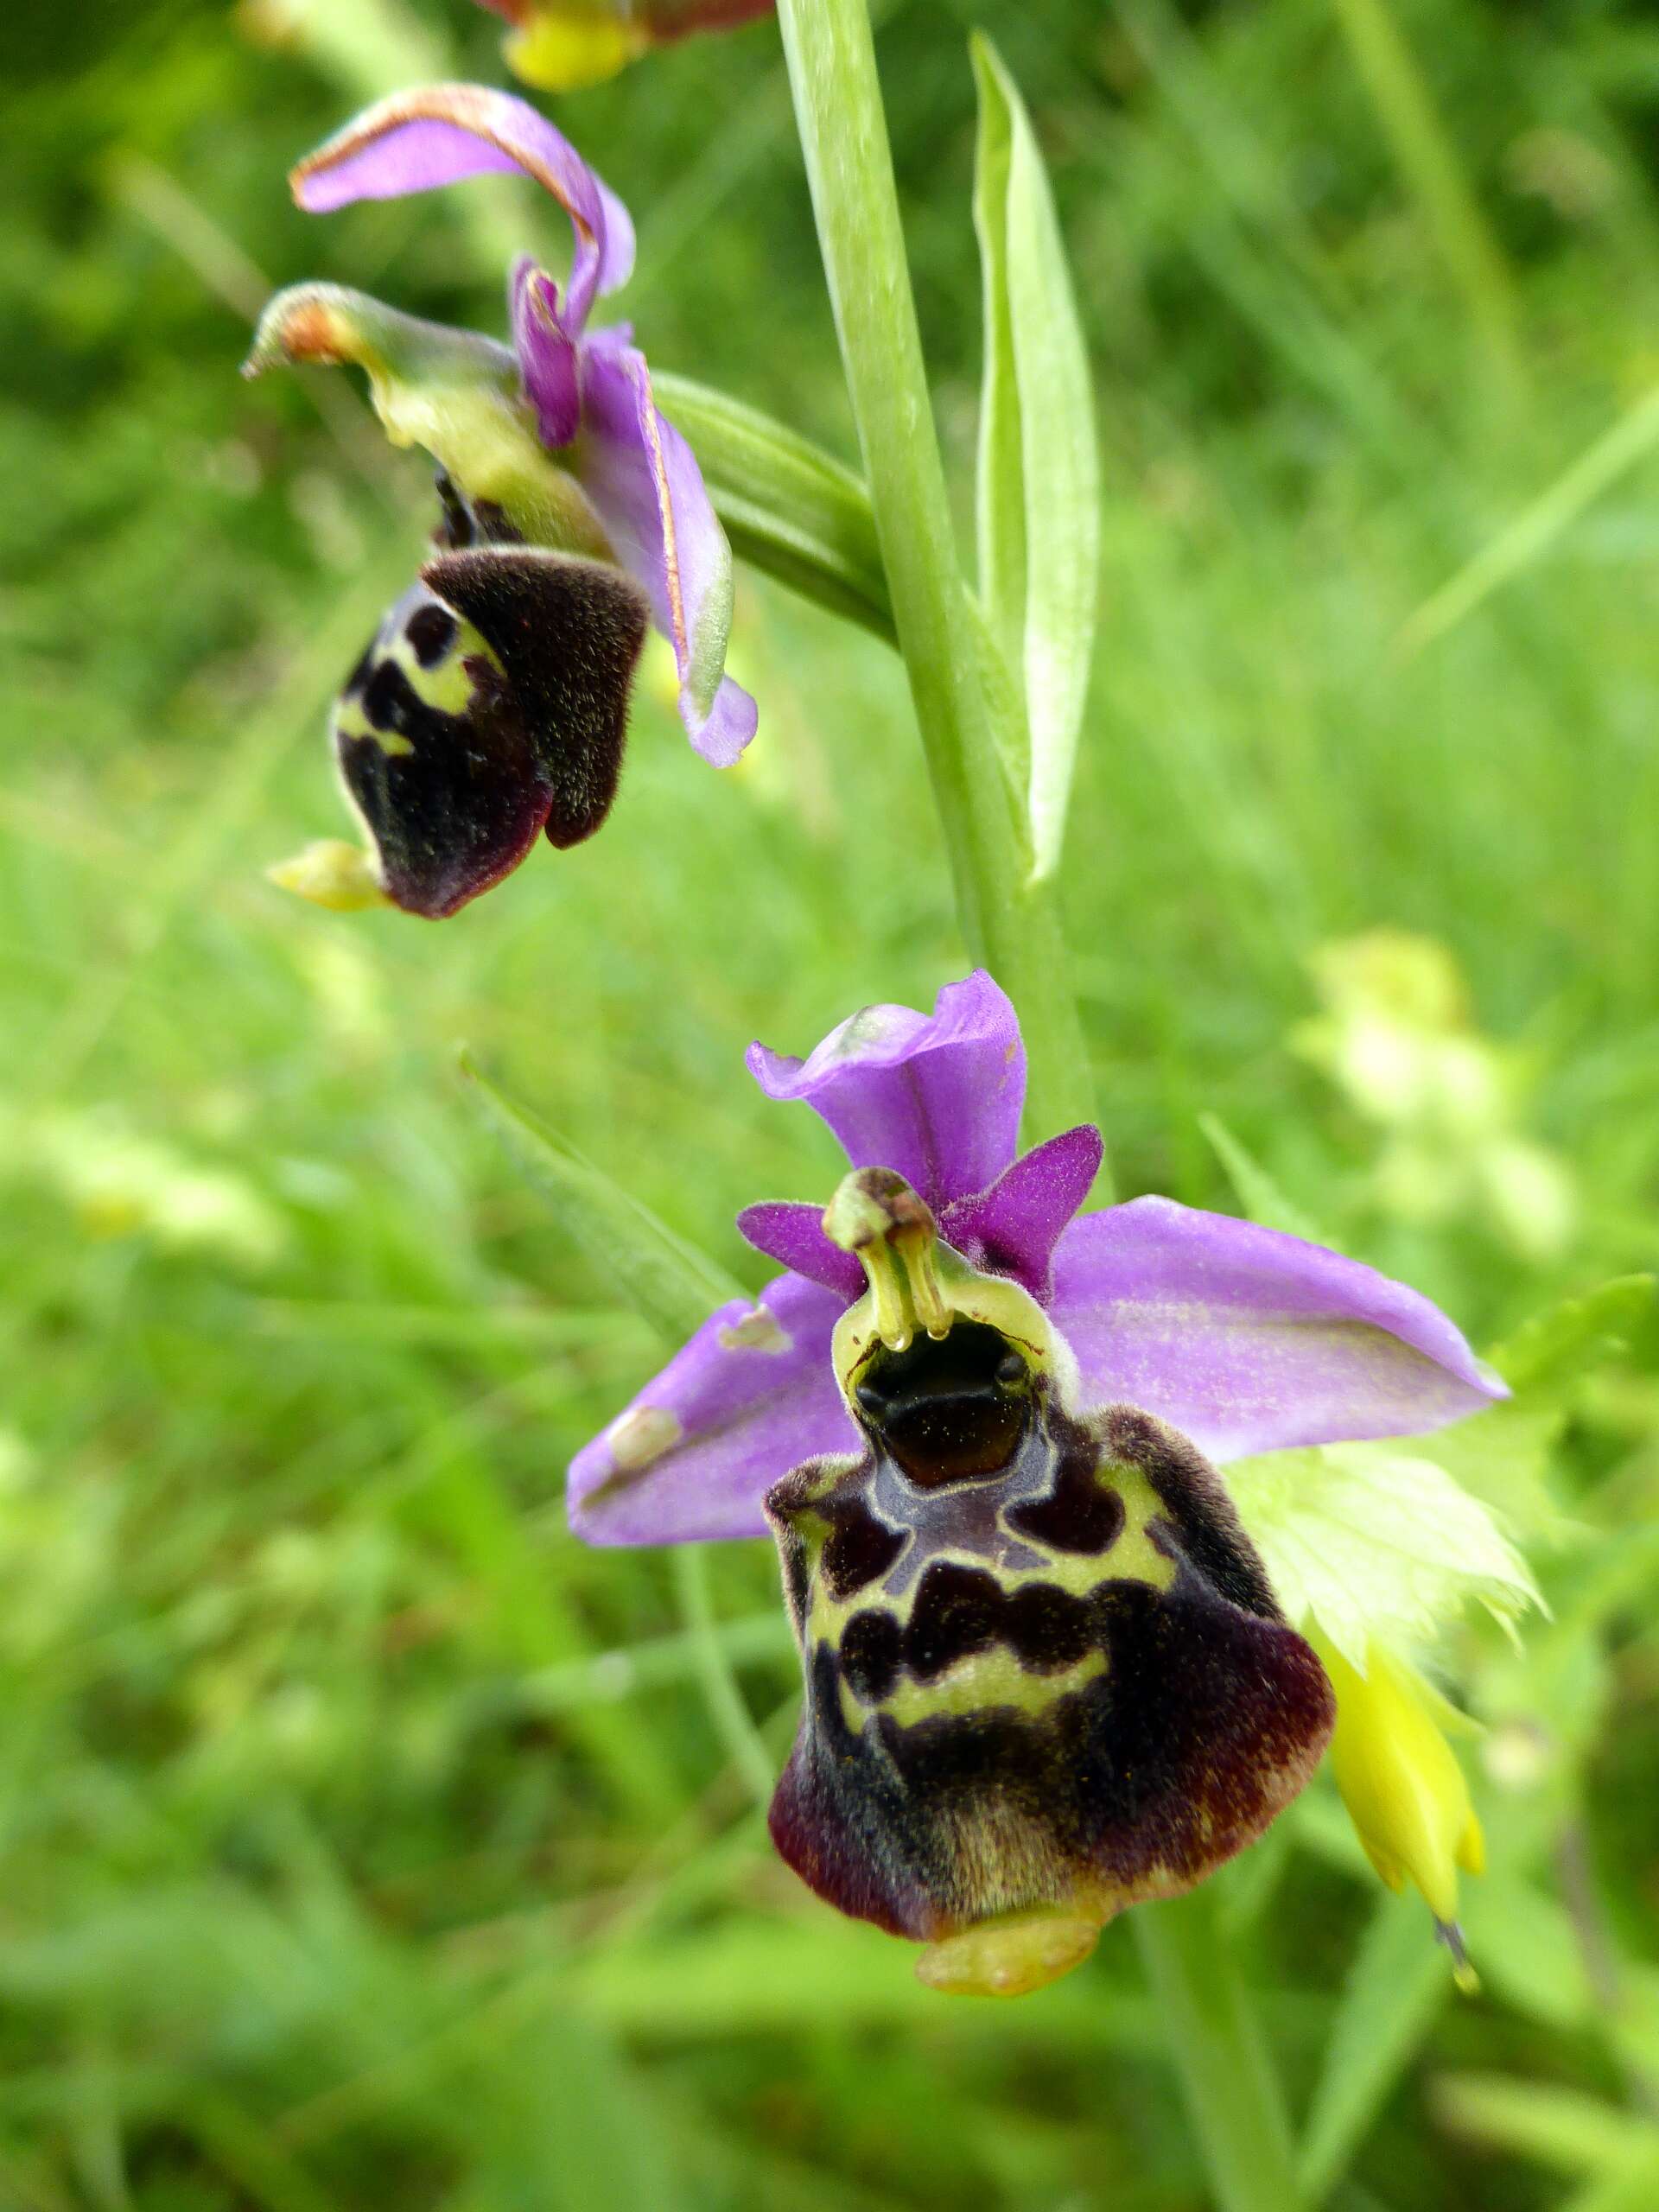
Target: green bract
column 1375, row 1540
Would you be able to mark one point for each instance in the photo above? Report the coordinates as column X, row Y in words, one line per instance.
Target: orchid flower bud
column 492, row 704
column 1403, row 1786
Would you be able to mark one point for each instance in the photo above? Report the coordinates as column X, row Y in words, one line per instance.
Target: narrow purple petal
column 644, row 481
column 751, row 1397
column 935, row 1097
column 725, row 731
column 793, row 1234
column 437, row 134
column 1013, row 1227
column 547, row 355
column 1249, row 1340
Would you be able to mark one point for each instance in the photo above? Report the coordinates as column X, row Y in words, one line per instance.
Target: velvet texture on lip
column 1046, row 1677
column 1046, row 1674
column 493, row 704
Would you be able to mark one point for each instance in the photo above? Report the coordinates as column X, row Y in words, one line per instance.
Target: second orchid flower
column 492, row 704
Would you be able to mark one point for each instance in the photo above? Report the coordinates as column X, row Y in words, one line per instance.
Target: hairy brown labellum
column 491, row 705
column 1044, row 1666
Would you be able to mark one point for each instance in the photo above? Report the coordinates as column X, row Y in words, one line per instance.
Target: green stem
column 725, row 1701
column 1225, row 2066
column 1010, row 923
column 1221, row 2055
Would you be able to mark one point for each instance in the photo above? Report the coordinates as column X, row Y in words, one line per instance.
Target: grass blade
column 1394, row 1992
column 651, row 1269
column 1536, row 528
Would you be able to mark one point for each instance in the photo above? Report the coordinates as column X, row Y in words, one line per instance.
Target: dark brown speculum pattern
column 1043, row 1664
column 489, row 709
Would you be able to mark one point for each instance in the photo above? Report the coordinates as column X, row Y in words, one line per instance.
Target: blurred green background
column 364, row 1839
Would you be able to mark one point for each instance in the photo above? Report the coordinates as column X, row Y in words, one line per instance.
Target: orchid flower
column 492, row 702
column 559, row 44
column 1047, row 1673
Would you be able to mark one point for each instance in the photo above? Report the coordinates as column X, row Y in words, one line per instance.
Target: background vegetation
column 363, row 1839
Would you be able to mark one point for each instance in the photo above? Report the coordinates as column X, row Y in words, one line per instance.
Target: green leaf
column 1633, row 2187
column 813, row 1974
column 1391, row 1998
column 1038, row 485
column 640, row 1670
column 788, row 507
column 1254, row 1189
column 1001, row 483
column 1504, row 1454
column 1004, row 715
column 1529, row 1951
column 1374, row 1538
column 1563, row 2129
column 663, row 1278
column 1502, row 1457
column 1556, row 1347
column 1220, row 2049
column 727, row 1709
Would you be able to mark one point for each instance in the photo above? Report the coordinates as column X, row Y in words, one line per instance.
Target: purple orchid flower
column 1244, row 1338
column 571, row 506
column 1046, row 1676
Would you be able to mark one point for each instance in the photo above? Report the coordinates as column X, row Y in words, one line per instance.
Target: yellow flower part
column 1403, row 1786
column 559, row 52
column 332, row 873
column 559, row 45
